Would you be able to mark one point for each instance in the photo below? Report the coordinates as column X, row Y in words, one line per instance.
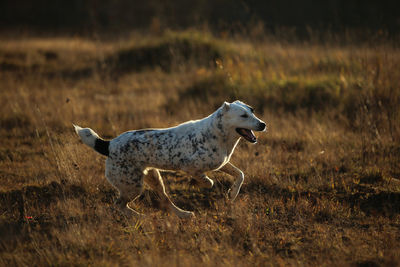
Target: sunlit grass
column 322, row 185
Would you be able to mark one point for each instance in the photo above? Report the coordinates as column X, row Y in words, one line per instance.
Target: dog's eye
column 244, row 116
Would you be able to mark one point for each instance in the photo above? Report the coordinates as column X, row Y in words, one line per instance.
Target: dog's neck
column 227, row 137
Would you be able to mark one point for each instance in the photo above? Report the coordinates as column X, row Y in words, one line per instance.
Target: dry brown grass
column 322, row 186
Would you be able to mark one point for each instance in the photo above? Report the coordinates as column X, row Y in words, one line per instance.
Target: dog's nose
column 262, row 126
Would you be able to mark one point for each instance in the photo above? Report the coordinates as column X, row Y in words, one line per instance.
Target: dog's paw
column 204, row 182
column 232, row 194
column 209, row 183
column 186, row 214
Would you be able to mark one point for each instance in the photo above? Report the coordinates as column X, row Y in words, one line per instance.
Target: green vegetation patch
column 168, row 53
column 276, row 95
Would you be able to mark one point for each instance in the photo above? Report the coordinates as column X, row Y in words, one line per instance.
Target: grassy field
column 321, row 186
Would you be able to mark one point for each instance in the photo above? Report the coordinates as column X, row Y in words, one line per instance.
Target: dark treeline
column 301, row 15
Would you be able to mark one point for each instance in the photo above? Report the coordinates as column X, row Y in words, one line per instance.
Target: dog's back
column 178, row 148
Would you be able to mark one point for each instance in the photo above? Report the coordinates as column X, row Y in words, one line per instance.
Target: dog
column 195, row 147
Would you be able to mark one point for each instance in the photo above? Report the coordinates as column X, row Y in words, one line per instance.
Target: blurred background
column 302, row 18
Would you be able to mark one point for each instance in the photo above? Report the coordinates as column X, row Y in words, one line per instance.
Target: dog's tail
column 90, row 138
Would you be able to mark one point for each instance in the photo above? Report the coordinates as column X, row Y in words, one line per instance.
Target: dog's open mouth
column 247, row 134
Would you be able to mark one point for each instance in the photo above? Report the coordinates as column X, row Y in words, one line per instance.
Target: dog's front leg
column 203, row 180
column 237, row 184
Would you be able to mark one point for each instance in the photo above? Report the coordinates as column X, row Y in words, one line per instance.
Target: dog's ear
column 225, row 106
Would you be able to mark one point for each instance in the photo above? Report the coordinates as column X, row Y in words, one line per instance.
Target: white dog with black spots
column 195, row 147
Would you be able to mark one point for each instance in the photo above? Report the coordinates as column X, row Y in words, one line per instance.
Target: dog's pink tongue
column 249, row 135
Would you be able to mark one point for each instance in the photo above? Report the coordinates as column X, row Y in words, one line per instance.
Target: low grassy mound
column 168, row 53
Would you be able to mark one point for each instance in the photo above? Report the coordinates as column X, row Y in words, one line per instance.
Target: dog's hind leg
column 237, row 184
column 129, row 183
column 129, row 193
column 154, row 180
column 122, row 204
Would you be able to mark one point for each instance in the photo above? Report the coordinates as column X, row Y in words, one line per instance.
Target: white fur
column 195, row 147
column 87, row 135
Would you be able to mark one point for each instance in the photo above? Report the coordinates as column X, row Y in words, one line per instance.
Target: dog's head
column 240, row 117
